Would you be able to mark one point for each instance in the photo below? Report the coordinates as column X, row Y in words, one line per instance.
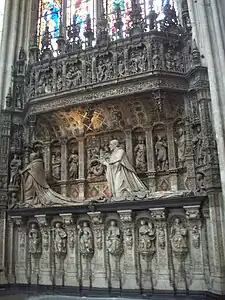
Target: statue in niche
column 140, row 155
column 95, row 168
column 181, row 146
column 73, row 165
column 60, row 239
column 143, row 62
column 101, row 70
column 121, row 176
column 15, row 166
column 35, row 189
column 178, row 237
column 198, row 144
column 56, row 166
column 78, row 76
column 114, row 239
column 196, row 236
column 109, row 69
column 121, row 69
column 86, row 240
column 200, row 178
column 147, row 237
column 133, row 64
column 34, row 236
column 161, row 153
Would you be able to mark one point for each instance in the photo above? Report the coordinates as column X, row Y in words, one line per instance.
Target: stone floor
column 61, row 297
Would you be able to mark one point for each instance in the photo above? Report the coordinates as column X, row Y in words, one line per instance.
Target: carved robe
column 121, row 176
column 36, row 191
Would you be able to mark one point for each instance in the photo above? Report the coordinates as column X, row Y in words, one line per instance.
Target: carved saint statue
column 121, row 176
column 34, row 239
column 140, row 154
column 198, row 143
column 35, row 189
column 114, row 239
column 180, row 141
column 14, row 169
column 73, row 165
column 56, row 166
column 178, row 237
column 161, row 153
column 86, row 240
column 60, row 239
column 147, row 237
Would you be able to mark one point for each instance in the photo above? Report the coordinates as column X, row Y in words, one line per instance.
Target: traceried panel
column 50, row 16
column 80, row 13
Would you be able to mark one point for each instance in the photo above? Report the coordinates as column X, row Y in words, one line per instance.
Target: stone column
column 20, row 251
column 64, row 167
column 196, row 247
column 98, row 261
column 3, row 235
column 129, row 145
column 129, row 274
column 216, row 241
column 10, row 253
column 47, row 159
column 159, row 217
column 190, row 180
column 45, row 261
column 70, row 263
column 150, row 159
column 81, row 175
column 172, row 158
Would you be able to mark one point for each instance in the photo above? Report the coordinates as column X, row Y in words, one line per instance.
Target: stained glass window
column 78, row 11
column 111, row 8
column 50, row 15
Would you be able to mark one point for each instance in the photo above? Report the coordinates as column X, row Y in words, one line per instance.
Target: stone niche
column 148, row 245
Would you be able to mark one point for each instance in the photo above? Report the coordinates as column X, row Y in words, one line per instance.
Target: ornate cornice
column 50, row 103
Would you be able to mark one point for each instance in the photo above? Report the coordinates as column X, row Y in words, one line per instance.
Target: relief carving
column 59, row 240
column 147, row 237
column 178, row 238
column 86, row 240
column 198, row 142
column 140, row 156
column 114, row 239
column 15, row 166
column 73, row 164
column 35, row 240
column 181, row 147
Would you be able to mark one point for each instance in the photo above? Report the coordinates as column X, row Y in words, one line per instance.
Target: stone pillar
column 81, row 175
column 216, row 242
column 47, row 159
column 129, row 274
column 159, row 217
column 45, row 261
column 64, row 167
column 10, row 252
column 196, row 247
column 190, row 180
column 20, row 251
column 172, row 158
column 98, row 261
column 3, row 235
column 129, row 146
column 150, row 159
column 70, row 263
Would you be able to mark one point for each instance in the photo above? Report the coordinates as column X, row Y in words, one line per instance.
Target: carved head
column 113, row 144
column 140, row 140
column 198, row 128
column 33, row 226
column 58, row 225
column 143, row 222
column 113, row 223
column 85, row 224
column 177, row 221
column 33, row 156
column 180, row 131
